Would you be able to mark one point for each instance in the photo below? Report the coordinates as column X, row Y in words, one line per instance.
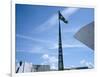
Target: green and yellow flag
column 62, row 18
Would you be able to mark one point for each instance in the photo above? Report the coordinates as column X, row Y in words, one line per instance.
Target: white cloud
column 37, row 49
column 82, row 61
column 53, row 20
column 86, row 63
column 45, row 56
column 50, row 60
column 31, row 38
column 69, row 11
column 48, row 24
column 71, row 46
column 89, row 64
column 70, row 66
column 55, row 46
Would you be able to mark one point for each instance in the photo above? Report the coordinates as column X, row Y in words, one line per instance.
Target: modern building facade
column 29, row 67
column 86, row 35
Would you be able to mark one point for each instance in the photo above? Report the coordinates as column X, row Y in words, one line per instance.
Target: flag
column 62, row 18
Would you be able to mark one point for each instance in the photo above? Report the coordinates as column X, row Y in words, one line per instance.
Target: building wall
column 86, row 35
column 29, row 67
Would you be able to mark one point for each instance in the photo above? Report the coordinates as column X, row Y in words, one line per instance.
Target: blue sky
column 37, row 35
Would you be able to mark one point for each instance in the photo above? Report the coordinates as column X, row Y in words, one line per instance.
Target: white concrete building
column 37, row 68
column 29, row 67
column 86, row 35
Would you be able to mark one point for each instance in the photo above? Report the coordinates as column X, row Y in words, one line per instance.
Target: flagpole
column 60, row 51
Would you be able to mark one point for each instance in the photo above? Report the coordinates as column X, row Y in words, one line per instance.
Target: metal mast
column 60, row 50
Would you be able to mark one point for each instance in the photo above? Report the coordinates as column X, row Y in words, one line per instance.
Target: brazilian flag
column 62, row 18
